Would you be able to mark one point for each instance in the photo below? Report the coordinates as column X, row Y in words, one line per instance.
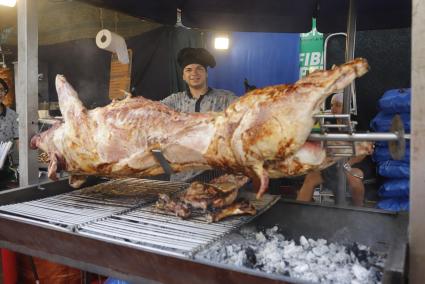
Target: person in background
column 8, row 129
column 329, row 177
column 198, row 97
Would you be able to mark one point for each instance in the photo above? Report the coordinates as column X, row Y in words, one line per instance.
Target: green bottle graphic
column 311, row 51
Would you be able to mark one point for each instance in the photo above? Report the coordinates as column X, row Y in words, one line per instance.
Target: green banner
column 311, row 51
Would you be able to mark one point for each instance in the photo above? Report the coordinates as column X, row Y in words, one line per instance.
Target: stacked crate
column 394, row 191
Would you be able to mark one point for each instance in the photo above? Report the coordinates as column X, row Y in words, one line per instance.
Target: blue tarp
column 395, row 101
column 263, row 58
column 382, row 122
column 394, row 169
column 382, row 154
column 394, row 204
column 394, row 188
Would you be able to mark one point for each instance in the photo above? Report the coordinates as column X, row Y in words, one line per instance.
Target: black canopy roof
column 267, row 15
column 371, row 15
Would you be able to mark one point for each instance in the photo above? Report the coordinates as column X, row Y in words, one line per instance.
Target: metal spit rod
column 356, row 137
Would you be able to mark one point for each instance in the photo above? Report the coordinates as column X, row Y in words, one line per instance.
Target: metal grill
column 89, row 204
column 121, row 211
column 157, row 231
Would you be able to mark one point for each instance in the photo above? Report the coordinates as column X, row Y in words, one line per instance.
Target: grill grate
column 150, row 229
column 121, row 211
column 92, row 203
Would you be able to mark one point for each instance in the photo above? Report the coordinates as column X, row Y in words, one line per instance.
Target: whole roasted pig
column 263, row 134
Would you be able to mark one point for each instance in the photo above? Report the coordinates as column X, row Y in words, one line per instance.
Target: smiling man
column 198, row 97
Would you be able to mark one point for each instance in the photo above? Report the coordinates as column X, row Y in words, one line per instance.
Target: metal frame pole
column 346, row 108
column 27, row 89
column 417, row 154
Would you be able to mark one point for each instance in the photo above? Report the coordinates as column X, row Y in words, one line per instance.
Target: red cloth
column 10, row 275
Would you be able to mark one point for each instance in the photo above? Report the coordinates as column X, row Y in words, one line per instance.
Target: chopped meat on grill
column 179, row 208
column 238, row 208
column 255, row 136
column 219, row 193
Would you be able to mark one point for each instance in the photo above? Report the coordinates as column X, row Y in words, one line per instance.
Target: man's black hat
column 191, row 55
column 4, row 84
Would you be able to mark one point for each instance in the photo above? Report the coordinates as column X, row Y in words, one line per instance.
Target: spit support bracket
column 344, row 124
column 159, row 157
column 396, row 138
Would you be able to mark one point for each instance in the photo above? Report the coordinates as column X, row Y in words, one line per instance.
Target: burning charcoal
column 362, row 256
column 360, row 252
column 317, row 261
column 259, row 266
column 310, row 257
column 260, row 237
column 320, row 250
column 272, row 231
column 352, row 248
column 301, row 268
column 304, row 242
column 360, row 272
column 251, row 259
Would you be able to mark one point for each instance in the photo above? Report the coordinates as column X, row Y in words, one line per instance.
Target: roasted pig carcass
column 256, row 134
column 312, row 156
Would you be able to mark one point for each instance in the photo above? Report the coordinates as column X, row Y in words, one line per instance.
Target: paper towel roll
column 107, row 40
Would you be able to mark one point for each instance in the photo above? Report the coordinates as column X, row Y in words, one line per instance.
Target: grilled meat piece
column 254, row 136
column 167, row 204
column 238, row 208
column 218, row 193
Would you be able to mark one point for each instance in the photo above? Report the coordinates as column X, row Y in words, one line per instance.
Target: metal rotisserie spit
column 113, row 229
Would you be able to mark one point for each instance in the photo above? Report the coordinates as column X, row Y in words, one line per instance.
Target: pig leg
column 53, row 167
column 260, row 179
column 57, row 163
column 70, row 105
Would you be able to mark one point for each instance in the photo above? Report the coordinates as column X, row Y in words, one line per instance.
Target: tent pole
column 340, row 198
